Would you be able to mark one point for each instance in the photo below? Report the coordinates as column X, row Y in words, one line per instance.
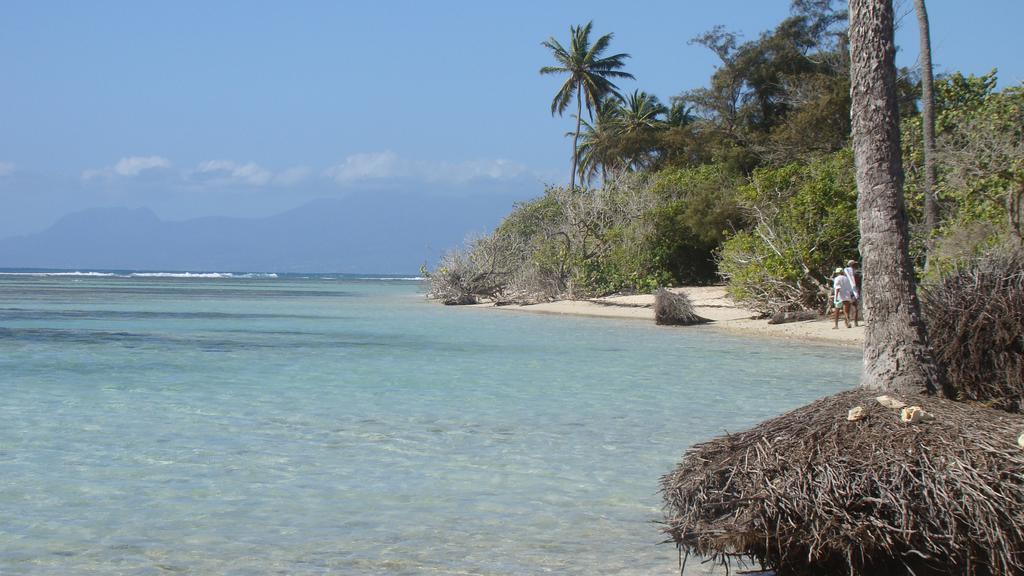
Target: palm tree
column 676, row 144
column 599, row 142
column 896, row 352
column 639, row 120
column 679, row 114
column 931, row 204
column 589, row 77
column 641, row 112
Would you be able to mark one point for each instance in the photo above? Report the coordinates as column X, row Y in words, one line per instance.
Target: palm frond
column 600, row 45
column 587, row 70
column 563, row 97
column 553, row 70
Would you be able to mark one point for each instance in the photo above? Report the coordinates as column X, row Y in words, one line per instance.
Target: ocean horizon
column 258, row 423
column 197, row 273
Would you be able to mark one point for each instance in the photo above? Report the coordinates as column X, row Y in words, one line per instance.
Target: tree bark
column 931, row 203
column 1015, row 210
column 576, row 138
column 896, row 352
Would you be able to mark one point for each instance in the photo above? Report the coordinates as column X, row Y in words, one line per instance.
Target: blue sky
column 249, row 108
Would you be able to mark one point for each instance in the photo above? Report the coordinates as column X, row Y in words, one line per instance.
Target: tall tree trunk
column 1015, row 210
column 576, row 138
column 896, row 352
column 931, row 204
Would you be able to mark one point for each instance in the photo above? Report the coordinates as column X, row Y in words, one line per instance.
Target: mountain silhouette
column 384, row 232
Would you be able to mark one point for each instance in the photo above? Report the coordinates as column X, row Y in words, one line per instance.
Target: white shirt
column 853, row 280
column 842, row 289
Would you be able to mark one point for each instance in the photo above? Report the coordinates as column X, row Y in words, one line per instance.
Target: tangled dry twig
column 671, row 308
column 811, row 492
column 975, row 318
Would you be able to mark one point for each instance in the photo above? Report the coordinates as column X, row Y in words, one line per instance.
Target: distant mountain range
column 387, row 233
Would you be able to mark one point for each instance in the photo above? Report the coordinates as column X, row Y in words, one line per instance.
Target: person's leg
column 856, row 312
column 846, row 312
column 835, row 315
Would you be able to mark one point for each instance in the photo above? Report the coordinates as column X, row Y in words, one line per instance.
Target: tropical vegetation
column 589, row 77
column 748, row 180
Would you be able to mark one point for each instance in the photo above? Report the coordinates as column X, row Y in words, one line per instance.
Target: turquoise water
column 337, row 426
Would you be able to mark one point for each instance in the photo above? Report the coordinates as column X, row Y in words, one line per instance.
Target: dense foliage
column 748, row 179
column 804, row 223
column 980, row 153
column 631, row 235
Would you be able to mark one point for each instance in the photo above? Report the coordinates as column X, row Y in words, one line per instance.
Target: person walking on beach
column 851, row 273
column 842, row 295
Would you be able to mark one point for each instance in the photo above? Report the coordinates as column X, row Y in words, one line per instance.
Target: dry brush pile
column 464, row 276
column 811, row 492
column 675, row 309
column 975, row 318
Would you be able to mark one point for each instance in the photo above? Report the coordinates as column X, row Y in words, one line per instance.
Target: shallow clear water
column 329, row 426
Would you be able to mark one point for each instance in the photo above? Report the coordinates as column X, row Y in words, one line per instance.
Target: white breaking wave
column 392, row 278
column 90, row 274
column 145, row 274
column 180, row 275
column 199, row 275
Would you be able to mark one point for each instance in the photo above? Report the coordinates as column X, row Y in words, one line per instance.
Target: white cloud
column 128, row 167
column 6, row 168
column 388, row 165
column 368, row 166
column 228, row 172
column 362, row 167
column 135, row 165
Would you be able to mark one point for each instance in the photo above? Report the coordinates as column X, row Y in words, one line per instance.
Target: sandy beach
column 710, row 302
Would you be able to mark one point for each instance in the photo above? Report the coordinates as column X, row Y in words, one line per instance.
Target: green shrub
column 804, row 225
column 979, row 150
column 700, row 209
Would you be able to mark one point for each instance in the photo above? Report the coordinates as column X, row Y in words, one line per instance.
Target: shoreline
column 712, row 303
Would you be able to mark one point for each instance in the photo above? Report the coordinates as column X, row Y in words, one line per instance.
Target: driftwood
column 795, row 316
column 826, row 489
column 975, row 318
column 675, row 309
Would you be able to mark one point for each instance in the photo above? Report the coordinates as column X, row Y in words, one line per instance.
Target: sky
column 249, row 108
